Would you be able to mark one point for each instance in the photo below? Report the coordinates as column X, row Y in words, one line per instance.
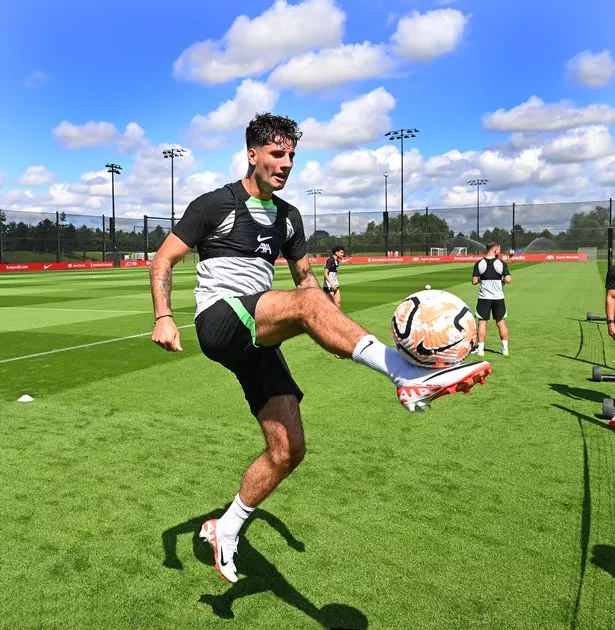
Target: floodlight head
column 113, row 168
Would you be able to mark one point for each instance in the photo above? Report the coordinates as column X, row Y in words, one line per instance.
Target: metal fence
column 55, row 237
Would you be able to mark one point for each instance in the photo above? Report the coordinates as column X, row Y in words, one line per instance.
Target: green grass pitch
column 492, row 510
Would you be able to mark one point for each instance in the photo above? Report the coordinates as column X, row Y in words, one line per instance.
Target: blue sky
column 519, row 92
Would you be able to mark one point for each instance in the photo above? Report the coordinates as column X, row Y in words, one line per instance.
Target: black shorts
column 486, row 308
column 330, row 289
column 226, row 333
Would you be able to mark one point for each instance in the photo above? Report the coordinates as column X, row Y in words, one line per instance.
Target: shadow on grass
column 576, row 393
column 259, row 575
column 604, row 557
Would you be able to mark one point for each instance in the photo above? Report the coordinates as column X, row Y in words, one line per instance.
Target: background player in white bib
column 331, row 284
column 239, row 231
column 492, row 274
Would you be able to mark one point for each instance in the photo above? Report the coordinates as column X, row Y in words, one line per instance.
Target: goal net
column 437, row 251
column 459, row 251
column 592, row 253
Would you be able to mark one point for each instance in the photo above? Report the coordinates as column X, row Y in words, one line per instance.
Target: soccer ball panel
column 433, row 329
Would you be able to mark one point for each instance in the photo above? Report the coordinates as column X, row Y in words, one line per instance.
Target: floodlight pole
column 400, row 134
column 173, row 153
column 386, row 193
column 314, row 192
column 114, row 169
column 385, row 223
column 2, row 220
column 478, row 183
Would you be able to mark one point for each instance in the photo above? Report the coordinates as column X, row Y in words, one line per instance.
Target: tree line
column 420, row 232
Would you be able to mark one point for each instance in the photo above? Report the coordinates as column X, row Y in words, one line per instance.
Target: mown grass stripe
column 85, row 345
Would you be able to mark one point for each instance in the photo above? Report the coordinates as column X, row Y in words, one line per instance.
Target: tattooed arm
column 302, row 274
column 165, row 334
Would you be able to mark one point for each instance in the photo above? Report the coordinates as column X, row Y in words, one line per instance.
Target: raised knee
column 287, row 459
column 309, row 302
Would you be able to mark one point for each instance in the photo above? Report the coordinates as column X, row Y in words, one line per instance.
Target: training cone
column 25, row 398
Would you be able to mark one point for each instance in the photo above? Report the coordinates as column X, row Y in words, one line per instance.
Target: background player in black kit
column 239, row 231
column 331, row 284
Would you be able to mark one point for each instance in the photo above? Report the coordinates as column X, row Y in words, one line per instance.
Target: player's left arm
column 295, row 252
column 506, row 277
column 302, row 273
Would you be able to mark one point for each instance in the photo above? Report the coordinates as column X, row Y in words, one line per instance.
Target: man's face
column 339, row 254
column 272, row 163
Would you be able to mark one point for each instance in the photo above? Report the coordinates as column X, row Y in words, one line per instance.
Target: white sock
column 504, row 344
column 481, row 346
column 233, row 519
column 376, row 355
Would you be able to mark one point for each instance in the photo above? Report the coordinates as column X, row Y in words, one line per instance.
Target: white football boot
column 223, row 551
column 418, row 393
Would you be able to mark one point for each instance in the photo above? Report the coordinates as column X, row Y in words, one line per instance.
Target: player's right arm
column 475, row 274
column 166, row 333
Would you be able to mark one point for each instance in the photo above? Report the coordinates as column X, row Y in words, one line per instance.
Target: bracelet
column 161, row 316
column 610, row 321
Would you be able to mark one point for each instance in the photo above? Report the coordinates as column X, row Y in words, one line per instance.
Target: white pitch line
column 85, row 345
column 69, row 310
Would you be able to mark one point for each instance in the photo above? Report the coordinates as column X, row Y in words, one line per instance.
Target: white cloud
column 535, row 115
column 424, row 36
column 239, row 165
column 78, row 136
column 333, row 66
column 450, row 164
column 93, row 134
column 36, row 79
column 585, row 143
column 591, row 69
column 133, row 138
column 549, row 175
column 605, row 171
column 254, row 46
column 357, row 162
column 36, row 176
column 359, row 121
column 251, row 97
column 505, row 171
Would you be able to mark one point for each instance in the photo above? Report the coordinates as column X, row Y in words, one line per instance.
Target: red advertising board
column 62, row 266
column 320, row 260
column 555, row 257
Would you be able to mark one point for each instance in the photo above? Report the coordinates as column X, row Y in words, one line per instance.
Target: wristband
column 161, row 316
column 610, row 321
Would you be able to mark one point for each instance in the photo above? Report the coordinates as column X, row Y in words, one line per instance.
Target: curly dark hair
column 268, row 128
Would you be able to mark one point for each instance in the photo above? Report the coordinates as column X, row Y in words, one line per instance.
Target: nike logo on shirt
column 261, row 239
